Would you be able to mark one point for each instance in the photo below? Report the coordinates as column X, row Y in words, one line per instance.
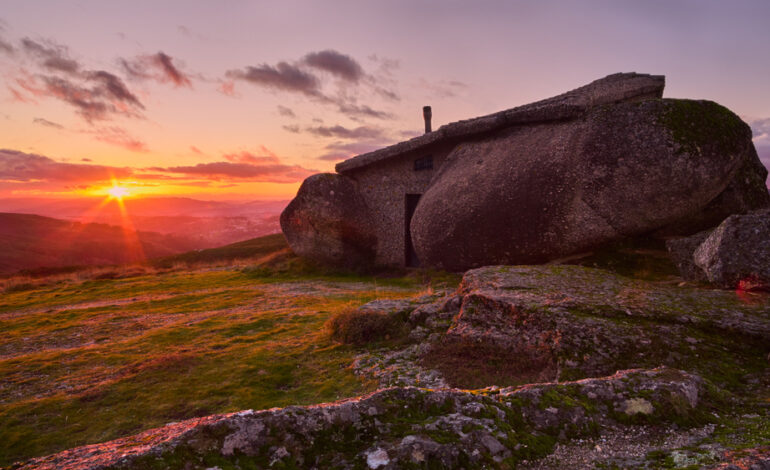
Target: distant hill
column 208, row 223
column 254, row 248
column 32, row 241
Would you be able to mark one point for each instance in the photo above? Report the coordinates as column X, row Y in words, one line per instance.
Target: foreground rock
column 328, row 222
column 402, row 427
column 734, row 255
column 546, row 190
column 737, row 253
column 581, row 322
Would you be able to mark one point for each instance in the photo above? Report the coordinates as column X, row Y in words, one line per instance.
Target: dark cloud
column 159, row 67
column 85, row 160
column 95, row 94
column 387, row 94
column 6, row 47
column 339, row 65
column 27, row 167
column 99, row 102
column 293, row 128
column 255, row 172
column 283, row 76
column 284, row 111
column 103, row 95
column 47, row 123
column 385, row 65
column 361, row 132
column 87, row 102
column 172, row 72
column 51, row 56
column 119, row 137
column 334, row 157
column 250, row 158
column 355, row 111
column 296, row 78
column 113, row 87
column 264, row 166
column 443, row 88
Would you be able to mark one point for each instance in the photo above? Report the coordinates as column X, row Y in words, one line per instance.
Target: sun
column 118, row 192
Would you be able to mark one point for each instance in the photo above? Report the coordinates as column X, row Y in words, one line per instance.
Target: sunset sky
column 244, row 99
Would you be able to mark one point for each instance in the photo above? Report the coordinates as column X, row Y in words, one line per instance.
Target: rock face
column 534, row 193
column 734, row 255
column 588, row 322
column 404, row 428
column 329, row 222
column 682, row 250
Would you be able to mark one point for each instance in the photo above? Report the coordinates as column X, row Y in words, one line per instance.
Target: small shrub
column 358, row 327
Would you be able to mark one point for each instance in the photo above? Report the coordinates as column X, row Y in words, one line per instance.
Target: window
column 424, row 163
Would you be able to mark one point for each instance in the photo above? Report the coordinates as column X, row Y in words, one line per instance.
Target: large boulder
column 329, row 222
column 737, row 253
column 538, row 192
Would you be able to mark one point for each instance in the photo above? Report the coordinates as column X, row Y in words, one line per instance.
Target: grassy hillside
column 254, row 248
column 32, row 241
column 89, row 360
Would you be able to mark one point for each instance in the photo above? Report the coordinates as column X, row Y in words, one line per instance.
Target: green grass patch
column 86, row 361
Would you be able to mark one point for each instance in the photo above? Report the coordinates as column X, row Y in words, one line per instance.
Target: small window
column 424, row 163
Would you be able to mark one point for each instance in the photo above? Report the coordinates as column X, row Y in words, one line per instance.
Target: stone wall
column 385, row 186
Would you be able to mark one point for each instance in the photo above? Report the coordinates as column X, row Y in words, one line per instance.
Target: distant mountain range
column 204, row 223
column 33, row 241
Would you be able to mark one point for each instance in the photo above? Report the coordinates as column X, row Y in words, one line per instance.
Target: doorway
column 411, row 256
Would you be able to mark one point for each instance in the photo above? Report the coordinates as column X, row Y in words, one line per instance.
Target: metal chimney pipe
column 427, row 114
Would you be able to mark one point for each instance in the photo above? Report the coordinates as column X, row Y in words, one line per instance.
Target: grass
column 90, row 358
column 254, row 248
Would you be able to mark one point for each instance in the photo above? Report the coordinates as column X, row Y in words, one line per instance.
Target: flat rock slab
column 399, row 427
column 590, row 322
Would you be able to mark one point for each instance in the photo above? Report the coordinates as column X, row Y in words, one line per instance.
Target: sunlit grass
column 84, row 361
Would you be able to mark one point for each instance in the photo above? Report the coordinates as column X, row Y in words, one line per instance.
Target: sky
column 236, row 100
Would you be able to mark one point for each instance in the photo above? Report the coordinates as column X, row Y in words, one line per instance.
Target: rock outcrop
column 587, row 322
column 734, row 255
column 534, row 193
column 329, row 222
column 402, row 427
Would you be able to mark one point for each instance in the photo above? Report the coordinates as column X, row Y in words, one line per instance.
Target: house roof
column 610, row 89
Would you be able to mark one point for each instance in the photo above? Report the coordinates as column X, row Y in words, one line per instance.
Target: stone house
column 392, row 179
column 605, row 161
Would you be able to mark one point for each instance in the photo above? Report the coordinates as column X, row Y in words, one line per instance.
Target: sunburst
column 118, row 192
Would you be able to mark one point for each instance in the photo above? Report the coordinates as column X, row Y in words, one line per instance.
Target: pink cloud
column 17, row 166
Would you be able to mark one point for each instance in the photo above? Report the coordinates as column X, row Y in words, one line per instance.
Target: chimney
column 426, row 114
